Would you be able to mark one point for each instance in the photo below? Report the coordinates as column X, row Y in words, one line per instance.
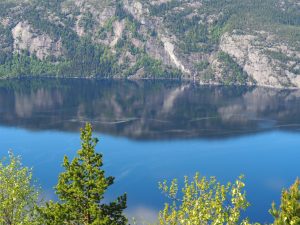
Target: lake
column 155, row 130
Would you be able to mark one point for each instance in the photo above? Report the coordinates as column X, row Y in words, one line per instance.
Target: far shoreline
column 191, row 81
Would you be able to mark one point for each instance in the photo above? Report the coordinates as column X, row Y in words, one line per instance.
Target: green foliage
column 88, row 60
column 23, row 64
column 188, row 30
column 197, row 26
column 199, row 34
column 254, row 15
column 81, row 56
column 289, row 212
column 91, row 60
column 209, row 75
column 18, row 198
column 161, row 9
column 87, row 21
column 281, row 56
column 232, row 72
column 132, row 26
column 81, row 190
column 200, row 66
column 109, row 24
column 121, row 13
column 153, row 68
column 204, row 201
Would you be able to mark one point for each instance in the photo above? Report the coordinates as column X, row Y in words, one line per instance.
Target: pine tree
column 81, row 190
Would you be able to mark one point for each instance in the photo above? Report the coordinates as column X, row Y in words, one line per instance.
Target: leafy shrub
column 289, row 212
column 204, row 201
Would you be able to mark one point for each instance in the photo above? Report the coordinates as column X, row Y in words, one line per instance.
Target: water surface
column 150, row 131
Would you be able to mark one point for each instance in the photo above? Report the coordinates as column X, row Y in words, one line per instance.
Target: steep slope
column 208, row 41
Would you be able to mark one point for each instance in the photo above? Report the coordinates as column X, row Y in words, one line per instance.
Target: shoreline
column 195, row 82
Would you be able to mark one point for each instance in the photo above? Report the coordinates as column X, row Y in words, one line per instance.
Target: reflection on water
column 126, row 113
column 147, row 109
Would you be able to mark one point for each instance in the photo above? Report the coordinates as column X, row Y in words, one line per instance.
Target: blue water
column 270, row 161
column 151, row 131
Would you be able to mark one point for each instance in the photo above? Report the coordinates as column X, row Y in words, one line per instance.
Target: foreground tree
column 81, row 190
column 289, row 212
column 204, row 201
column 18, row 198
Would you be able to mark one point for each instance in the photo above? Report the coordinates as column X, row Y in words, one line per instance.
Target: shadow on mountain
column 147, row 110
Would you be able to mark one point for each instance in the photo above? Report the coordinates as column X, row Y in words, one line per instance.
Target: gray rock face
column 186, row 36
column 255, row 57
column 41, row 45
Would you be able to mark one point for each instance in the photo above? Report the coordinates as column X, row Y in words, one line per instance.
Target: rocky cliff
column 216, row 42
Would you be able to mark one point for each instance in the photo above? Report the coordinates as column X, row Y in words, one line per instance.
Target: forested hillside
column 208, row 41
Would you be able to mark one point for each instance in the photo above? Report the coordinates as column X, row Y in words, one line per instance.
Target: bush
column 289, row 212
column 204, row 201
column 18, row 198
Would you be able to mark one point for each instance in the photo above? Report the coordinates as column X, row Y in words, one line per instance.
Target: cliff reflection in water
column 147, row 109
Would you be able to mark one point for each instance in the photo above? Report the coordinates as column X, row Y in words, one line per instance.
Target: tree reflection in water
column 147, row 109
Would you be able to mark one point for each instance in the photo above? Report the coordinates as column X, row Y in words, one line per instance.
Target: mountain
column 253, row 42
